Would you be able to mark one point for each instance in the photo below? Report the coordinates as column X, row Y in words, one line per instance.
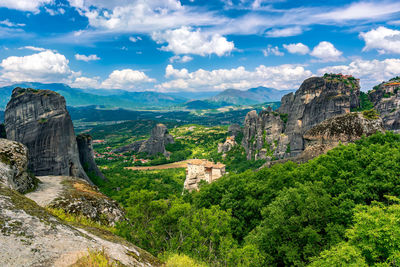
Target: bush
column 371, row 114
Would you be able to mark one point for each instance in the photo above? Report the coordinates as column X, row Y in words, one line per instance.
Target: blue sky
column 193, row 45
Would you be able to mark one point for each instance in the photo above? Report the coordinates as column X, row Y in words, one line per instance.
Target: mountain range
column 76, row 97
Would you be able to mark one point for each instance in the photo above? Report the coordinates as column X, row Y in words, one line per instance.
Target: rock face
column 386, row 100
column 30, row 236
column 234, row 130
column 86, row 155
column 263, row 135
column 154, row 145
column 340, row 129
column 317, row 99
column 227, row 145
column 13, row 166
column 2, row 131
column 39, row 119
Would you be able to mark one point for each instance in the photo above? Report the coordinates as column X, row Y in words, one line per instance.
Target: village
column 111, row 156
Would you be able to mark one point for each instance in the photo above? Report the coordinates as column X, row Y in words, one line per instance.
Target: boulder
column 86, row 155
column 39, row 119
column 13, row 166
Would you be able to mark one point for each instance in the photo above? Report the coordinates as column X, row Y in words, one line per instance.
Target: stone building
column 200, row 169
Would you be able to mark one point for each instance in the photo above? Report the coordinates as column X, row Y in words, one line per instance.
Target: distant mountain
column 80, row 97
column 195, row 95
column 1, row 116
column 249, row 97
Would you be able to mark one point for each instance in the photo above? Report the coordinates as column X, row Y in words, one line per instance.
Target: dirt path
column 49, row 189
column 179, row 164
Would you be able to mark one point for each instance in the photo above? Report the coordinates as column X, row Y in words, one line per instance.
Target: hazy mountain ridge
column 251, row 96
column 80, row 97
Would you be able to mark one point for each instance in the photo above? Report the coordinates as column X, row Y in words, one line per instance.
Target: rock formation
column 13, row 166
column 30, row 236
column 386, row 100
column 154, row 145
column 39, row 119
column 263, row 135
column 234, row 130
column 317, row 99
column 86, row 155
column 227, row 145
column 2, row 131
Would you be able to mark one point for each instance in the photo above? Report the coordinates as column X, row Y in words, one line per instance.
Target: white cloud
column 298, row 48
column 25, row 5
column 281, row 77
column 361, row 10
column 125, row 79
column 371, row 72
column 326, row 52
column 188, row 41
column 85, row 82
column 86, row 58
column 382, row 39
column 271, row 50
column 141, row 16
column 181, row 59
column 46, row 66
column 33, row 48
column 8, row 23
column 134, row 39
column 285, row 32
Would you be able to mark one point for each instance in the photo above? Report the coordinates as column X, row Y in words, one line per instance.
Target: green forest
column 339, row 209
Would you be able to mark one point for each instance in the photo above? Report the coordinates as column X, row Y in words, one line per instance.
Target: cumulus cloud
column 125, row 79
column 86, row 82
column 141, row 16
column 46, row 66
column 24, row 5
column 326, row 52
column 281, row 77
column 285, row 32
column 272, row 50
column 382, row 39
column 86, row 58
column 371, row 72
column 181, row 59
column 298, row 48
column 185, row 40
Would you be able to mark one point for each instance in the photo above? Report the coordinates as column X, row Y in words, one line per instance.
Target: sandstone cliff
column 13, row 166
column 280, row 134
column 154, row 145
column 86, row 155
column 39, row 119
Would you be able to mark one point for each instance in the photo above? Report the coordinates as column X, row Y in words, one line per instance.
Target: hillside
column 80, row 97
column 251, row 96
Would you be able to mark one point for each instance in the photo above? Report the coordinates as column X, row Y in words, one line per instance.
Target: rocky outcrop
column 13, row 166
column 227, row 145
column 263, row 135
column 318, row 99
column 39, row 119
column 2, row 131
column 86, row 155
column 31, row 236
column 154, row 145
column 76, row 196
column 280, row 134
column 342, row 129
column 234, row 130
column 386, row 100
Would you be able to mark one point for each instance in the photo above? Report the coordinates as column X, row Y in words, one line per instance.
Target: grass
column 96, row 258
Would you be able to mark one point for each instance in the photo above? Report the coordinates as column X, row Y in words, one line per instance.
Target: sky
column 197, row 45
